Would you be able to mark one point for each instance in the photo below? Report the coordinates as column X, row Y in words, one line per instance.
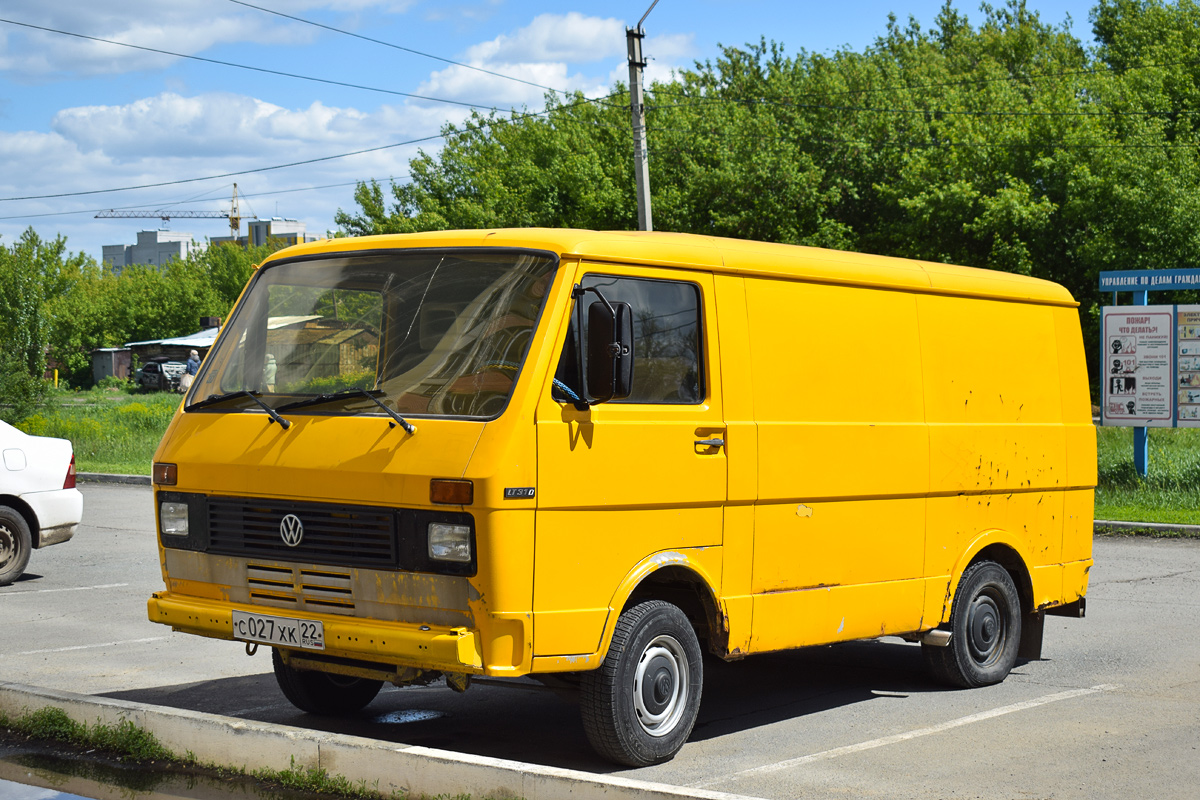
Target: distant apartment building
column 155, row 248
column 272, row 230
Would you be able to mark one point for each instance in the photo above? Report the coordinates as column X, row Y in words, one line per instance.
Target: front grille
column 351, row 536
column 323, row 590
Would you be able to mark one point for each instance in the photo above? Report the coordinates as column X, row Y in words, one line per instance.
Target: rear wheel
column 640, row 705
column 15, row 545
column 322, row 693
column 985, row 623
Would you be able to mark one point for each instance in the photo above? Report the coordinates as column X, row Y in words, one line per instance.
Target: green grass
column 123, row 739
column 1170, row 493
column 127, row 741
column 112, row 431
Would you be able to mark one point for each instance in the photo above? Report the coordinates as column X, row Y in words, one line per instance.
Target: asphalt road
column 1112, row 711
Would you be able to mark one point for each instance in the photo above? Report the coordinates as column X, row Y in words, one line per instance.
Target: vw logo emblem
column 291, row 530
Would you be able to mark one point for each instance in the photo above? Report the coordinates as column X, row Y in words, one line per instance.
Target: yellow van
column 587, row 457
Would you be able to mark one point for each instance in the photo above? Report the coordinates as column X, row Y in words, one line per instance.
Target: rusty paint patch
column 801, row 588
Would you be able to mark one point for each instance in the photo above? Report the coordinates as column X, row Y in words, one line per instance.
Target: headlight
column 449, row 542
column 173, row 518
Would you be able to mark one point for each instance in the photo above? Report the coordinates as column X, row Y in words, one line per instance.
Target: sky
column 80, row 117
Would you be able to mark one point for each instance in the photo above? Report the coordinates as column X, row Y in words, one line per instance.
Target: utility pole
column 641, row 160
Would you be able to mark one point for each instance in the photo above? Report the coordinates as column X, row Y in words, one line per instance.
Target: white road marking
column 903, row 737
column 67, row 589
column 88, row 646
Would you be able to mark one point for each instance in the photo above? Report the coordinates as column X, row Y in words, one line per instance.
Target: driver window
column 667, row 365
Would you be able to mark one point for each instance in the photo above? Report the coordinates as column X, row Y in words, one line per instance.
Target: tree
column 100, row 309
column 1009, row 146
column 34, row 274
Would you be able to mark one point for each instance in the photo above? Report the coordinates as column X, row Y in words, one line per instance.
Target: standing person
column 189, row 374
column 269, row 373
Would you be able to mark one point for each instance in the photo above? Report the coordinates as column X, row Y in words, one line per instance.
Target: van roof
column 729, row 256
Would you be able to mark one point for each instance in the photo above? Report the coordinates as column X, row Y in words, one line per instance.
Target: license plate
column 307, row 634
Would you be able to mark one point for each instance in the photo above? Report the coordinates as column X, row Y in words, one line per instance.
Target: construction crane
column 235, row 219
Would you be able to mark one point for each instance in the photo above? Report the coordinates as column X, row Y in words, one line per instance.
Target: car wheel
column 322, row 693
column 15, row 545
column 639, row 707
column 985, row 623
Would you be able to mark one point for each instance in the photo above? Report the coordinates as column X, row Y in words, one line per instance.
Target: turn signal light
column 165, row 474
column 451, row 493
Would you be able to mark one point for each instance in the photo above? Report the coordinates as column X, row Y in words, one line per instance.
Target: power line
column 914, row 144
column 929, row 111
column 165, row 204
column 397, row 47
column 484, row 123
column 1100, row 70
column 224, row 174
column 280, row 73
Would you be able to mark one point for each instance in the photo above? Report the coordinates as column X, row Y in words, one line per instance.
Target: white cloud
column 171, row 136
column 491, row 91
column 234, row 127
column 571, row 37
column 664, row 55
column 181, row 26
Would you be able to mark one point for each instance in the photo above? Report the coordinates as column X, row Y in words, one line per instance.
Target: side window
column 666, row 341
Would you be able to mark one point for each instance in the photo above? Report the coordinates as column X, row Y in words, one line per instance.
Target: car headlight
column 173, row 518
column 450, row 542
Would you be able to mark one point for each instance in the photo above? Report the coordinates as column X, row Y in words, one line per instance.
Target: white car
column 39, row 504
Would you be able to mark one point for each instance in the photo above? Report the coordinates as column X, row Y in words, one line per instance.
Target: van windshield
column 428, row 333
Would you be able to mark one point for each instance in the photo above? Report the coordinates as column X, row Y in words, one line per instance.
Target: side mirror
column 609, row 351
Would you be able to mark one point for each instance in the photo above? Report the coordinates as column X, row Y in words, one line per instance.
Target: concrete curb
column 1102, row 526
column 385, row 767
column 100, row 477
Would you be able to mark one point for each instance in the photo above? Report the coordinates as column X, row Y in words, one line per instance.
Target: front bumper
column 383, row 643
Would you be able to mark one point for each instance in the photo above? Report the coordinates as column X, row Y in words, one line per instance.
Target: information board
column 1187, row 381
column 1139, row 361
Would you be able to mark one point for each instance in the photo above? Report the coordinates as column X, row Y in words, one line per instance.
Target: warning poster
column 1187, row 321
column 1139, row 375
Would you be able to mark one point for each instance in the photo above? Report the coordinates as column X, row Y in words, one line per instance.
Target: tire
column 15, row 545
column 639, row 707
column 321, row 693
column 985, row 623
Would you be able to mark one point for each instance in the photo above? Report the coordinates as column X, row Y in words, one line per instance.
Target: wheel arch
column 1004, row 549
column 673, row 577
column 22, row 508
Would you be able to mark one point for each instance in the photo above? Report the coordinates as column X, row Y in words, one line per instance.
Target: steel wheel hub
column 661, row 686
column 985, row 629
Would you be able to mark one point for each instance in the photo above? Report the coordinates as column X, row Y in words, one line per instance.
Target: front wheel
column 985, row 623
column 639, row 707
column 322, row 693
column 15, row 545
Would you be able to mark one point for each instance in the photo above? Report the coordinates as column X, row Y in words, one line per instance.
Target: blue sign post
column 1141, row 283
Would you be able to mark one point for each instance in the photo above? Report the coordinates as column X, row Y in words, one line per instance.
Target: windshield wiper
column 215, row 399
column 347, row 394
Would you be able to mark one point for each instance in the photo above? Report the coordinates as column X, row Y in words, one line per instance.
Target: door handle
column 711, row 442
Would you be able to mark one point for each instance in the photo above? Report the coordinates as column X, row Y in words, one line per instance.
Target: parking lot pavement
column 1109, row 712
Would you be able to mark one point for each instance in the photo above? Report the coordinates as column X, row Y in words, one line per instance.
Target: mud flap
column 1031, row 636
